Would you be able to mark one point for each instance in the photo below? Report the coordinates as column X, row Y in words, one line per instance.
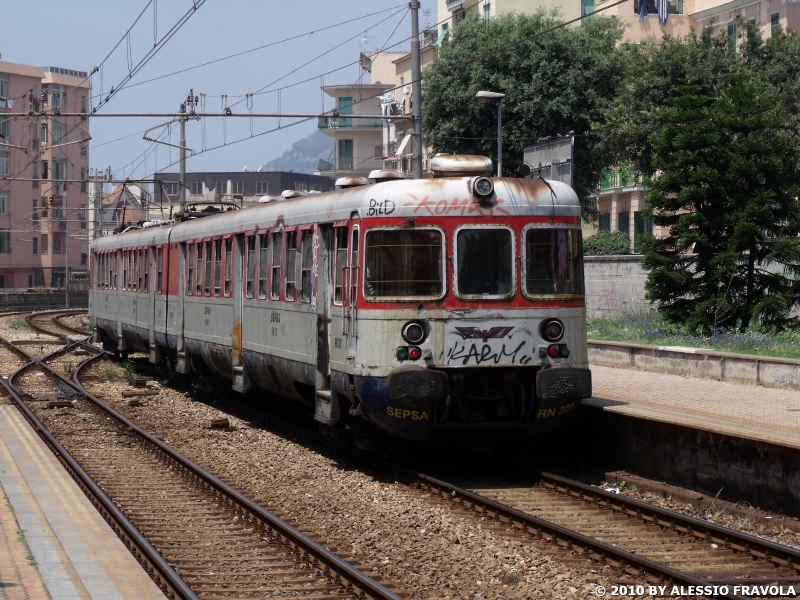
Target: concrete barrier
column 41, row 299
column 698, row 362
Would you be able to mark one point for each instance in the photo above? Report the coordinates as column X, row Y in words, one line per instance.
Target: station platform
column 53, row 542
column 752, row 412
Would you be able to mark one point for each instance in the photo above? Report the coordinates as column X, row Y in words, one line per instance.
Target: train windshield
column 485, row 262
column 400, row 264
column 553, row 262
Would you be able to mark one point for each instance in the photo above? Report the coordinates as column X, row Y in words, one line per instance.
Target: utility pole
column 416, row 92
column 65, row 216
column 182, row 178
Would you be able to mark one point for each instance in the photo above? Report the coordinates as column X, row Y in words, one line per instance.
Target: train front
column 471, row 323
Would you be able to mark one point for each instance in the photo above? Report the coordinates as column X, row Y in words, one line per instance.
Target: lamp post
column 485, row 98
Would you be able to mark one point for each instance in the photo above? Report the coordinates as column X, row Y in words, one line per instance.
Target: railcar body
column 428, row 309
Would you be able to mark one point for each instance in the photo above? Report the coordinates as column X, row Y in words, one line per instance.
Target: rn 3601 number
column 275, row 317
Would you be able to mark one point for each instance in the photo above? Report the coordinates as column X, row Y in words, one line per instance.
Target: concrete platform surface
column 75, row 551
column 753, row 412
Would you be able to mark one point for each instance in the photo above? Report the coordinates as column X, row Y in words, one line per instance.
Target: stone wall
column 614, row 285
column 41, row 300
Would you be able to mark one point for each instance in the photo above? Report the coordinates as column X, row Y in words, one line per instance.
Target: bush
column 606, row 243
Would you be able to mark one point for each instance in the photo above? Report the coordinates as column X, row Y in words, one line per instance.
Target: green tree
column 726, row 191
column 555, row 82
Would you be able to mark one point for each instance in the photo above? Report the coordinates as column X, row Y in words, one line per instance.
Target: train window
column 353, row 294
column 217, row 266
column 400, row 264
column 115, row 267
column 263, row 264
column 198, row 273
column 209, row 265
column 251, row 266
column 159, row 269
column 307, row 250
column 277, row 250
column 146, row 270
column 485, row 262
column 553, row 262
column 291, row 266
column 341, row 265
column 228, row 266
column 190, row 260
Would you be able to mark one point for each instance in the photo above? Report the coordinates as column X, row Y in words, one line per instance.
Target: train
column 448, row 309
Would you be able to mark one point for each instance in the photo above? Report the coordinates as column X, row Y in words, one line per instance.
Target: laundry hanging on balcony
column 663, row 12
column 643, row 10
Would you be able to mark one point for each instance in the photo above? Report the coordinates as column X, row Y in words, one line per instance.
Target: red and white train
column 449, row 308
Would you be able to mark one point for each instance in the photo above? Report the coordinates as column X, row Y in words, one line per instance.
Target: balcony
column 619, row 177
column 349, row 164
column 349, row 123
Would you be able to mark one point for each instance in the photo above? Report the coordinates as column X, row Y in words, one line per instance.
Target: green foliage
column 130, row 371
column 17, row 323
column 726, row 191
column 555, row 82
column 607, row 243
column 109, row 370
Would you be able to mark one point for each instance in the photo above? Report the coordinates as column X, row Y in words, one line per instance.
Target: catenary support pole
column 416, row 92
column 182, row 179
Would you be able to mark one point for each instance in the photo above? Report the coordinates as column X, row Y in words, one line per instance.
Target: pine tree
column 725, row 188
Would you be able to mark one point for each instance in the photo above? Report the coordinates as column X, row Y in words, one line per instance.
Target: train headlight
column 413, row 332
column 483, row 187
column 552, row 330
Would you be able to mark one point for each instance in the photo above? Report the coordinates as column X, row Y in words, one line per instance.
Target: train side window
column 190, row 260
column 307, row 249
column 209, row 265
column 353, row 266
column 277, row 250
column 553, row 262
column 228, row 267
column 217, row 266
column 263, row 264
column 341, row 263
column 115, row 267
column 146, row 271
column 251, row 266
column 159, row 269
column 291, row 266
column 198, row 275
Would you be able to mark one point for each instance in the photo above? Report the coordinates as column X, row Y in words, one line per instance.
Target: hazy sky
column 78, row 34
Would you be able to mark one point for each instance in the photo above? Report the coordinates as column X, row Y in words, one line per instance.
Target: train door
column 344, row 300
column 321, row 297
column 234, row 270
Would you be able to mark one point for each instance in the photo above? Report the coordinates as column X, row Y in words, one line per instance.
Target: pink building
column 44, row 162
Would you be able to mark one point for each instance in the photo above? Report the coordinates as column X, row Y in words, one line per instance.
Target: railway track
column 653, row 546
column 197, row 536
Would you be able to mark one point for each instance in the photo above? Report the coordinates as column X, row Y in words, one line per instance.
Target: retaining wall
column 39, row 300
column 614, row 285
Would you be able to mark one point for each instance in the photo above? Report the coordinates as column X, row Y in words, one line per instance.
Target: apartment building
column 43, row 168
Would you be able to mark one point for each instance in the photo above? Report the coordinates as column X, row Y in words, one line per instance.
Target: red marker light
column 414, row 353
column 553, row 351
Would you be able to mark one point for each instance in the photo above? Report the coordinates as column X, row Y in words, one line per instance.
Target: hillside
column 304, row 155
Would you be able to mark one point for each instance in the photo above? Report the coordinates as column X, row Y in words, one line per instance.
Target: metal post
column 64, row 215
column 182, row 180
column 416, row 92
column 500, row 138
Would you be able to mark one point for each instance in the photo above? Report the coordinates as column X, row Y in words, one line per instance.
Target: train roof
column 447, row 197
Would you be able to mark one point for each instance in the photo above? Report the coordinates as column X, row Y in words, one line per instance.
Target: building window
column 605, row 222
column 5, row 129
column 171, row 189
column 5, row 241
column 487, row 10
column 35, row 245
column 219, row 187
column 197, row 188
column 3, row 163
column 237, row 187
column 59, row 96
column 59, row 133
column 775, row 23
column 83, row 104
column 82, row 216
column 45, row 170
column 35, row 211
column 45, row 135
column 675, row 8
column 84, row 144
column 262, row 187
column 587, row 6
column 732, row 36
column 58, row 245
column 60, row 169
column 5, row 87
column 4, row 202
column 45, row 240
column 623, row 221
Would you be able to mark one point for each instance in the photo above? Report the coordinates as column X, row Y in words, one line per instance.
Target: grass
column 109, row 370
column 17, row 323
column 649, row 328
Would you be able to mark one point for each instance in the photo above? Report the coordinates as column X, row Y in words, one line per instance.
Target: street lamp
column 486, row 98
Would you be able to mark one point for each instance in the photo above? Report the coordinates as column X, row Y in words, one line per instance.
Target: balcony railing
column 349, row 123
column 349, row 163
column 620, row 177
column 385, row 150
